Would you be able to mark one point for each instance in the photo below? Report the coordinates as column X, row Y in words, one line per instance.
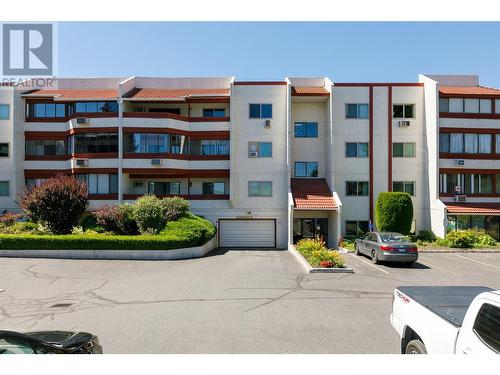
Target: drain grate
column 61, row 305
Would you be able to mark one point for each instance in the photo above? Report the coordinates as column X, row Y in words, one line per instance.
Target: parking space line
column 369, row 263
column 439, row 268
column 476, row 261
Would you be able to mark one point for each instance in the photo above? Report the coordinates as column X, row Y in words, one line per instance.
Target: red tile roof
column 309, row 91
column 312, row 193
column 473, row 208
column 468, row 90
column 173, row 93
column 76, row 94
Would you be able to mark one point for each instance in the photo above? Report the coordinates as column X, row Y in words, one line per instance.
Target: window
column 43, row 110
column 497, row 106
column 404, row 187
column 466, row 183
column 260, row 149
column 444, row 105
column 444, row 142
column 260, row 188
column 403, row 150
column 4, row 150
column 214, row 188
column 356, row 227
column 465, row 143
column 44, row 147
column 356, row 111
column 356, row 150
column 95, row 107
column 4, row 112
column 145, row 142
column 310, row 228
column 306, row 169
column 175, row 111
column 164, row 188
column 209, row 147
column 456, row 105
column 95, row 142
column 403, row 111
column 497, row 143
column 356, row 188
column 487, row 326
column 261, row 110
column 306, row 130
column 4, row 188
column 214, row 112
column 485, row 106
column 101, row 183
column 471, row 105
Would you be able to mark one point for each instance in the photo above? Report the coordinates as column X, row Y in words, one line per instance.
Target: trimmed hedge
column 394, row 212
column 187, row 232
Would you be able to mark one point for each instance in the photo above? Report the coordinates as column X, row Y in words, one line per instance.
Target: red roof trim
column 313, row 194
column 473, row 208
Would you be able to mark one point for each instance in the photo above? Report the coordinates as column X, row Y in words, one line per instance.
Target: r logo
column 27, row 49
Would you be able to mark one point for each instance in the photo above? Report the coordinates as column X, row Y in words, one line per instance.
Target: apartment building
column 267, row 162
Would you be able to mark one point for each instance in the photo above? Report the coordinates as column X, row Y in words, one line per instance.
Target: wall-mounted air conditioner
column 404, row 124
column 82, row 121
column 460, row 198
column 253, row 154
column 460, row 162
column 267, row 124
column 156, row 162
column 82, row 162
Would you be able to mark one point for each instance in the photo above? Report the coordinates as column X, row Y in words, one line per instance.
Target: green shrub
column 426, row 236
column 117, row 219
column 174, row 208
column 394, row 212
column 307, row 245
column 484, row 239
column 461, row 239
column 187, row 232
column 197, row 230
column 59, row 202
column 149, row 214
column 87, row 221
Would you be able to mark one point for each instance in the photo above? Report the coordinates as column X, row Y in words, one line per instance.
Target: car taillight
column 413, row 249
column 387, row 248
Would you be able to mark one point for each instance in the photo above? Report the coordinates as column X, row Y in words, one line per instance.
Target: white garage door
column 247, row 233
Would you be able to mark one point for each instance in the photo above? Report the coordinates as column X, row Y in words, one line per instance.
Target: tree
column 394, row 212
column 58, row 202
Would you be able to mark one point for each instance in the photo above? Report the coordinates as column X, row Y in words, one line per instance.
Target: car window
column 487, row 326
column 367, row 237
column 393, row 237
column 12, row 347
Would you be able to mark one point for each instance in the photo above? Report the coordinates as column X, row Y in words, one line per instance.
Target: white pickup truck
column 447, row 319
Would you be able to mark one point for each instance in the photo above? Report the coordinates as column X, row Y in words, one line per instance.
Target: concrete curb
column 186, row 253
column 310, row 269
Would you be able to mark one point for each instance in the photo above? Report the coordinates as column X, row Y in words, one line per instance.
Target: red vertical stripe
column 371, row 153
column 389, row 139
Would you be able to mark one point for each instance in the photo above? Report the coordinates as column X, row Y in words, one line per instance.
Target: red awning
column 312, row 194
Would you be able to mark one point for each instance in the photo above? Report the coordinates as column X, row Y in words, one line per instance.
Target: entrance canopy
column 312, row 194
column 473, row 208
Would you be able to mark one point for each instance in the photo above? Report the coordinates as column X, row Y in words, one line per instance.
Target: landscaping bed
column 54, row 218
column 316, row 257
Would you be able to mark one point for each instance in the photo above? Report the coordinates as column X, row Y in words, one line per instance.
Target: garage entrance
column 249, row 233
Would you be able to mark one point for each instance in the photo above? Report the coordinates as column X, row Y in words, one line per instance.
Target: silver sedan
column 387, row 246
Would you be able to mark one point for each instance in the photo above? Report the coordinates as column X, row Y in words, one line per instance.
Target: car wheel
column 356, row 250
column 375, row 257
column 415, row 347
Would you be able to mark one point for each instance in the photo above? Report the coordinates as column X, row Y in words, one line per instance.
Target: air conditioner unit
column 156, row 162
column 253, row 154
column 138, row 184
column 404, row 124
column 460, row 198
column 82, row 120
column 267, row 124
column 82, row 162
column 460, row 162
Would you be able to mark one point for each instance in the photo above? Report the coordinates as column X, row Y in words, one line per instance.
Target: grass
column 189, row 231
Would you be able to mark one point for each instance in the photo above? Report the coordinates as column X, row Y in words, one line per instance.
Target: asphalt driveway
column 228, row 302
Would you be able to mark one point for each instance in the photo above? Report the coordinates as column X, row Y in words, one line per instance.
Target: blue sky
column 345, row 52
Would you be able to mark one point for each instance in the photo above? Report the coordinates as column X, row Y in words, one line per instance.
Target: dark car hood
column 65, row 339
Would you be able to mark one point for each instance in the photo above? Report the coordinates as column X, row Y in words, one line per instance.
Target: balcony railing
column 185, row 196
column 173, row 116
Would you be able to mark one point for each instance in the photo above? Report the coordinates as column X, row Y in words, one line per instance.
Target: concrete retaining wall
column 186, row 253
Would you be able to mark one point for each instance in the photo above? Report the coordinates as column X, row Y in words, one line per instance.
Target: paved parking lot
column 229, row 302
